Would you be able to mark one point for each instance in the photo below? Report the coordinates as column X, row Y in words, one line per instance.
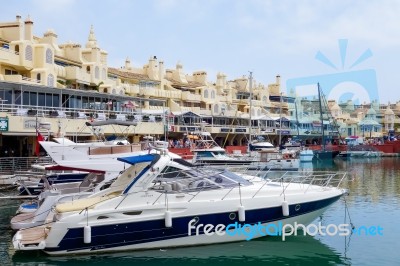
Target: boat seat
column 177, row 186
column 78, row 205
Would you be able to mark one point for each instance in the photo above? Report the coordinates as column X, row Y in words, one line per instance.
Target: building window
column 49, row 56
column 28, row 53
column 205, row 93
column 212, row 94
column 88, row 69
column 10, row 72
column 96, row 72
column 17, row 49
column 216, row 108
column 50, row 80
column 38, row 77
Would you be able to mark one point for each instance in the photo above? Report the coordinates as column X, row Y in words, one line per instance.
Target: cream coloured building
column 63, row 85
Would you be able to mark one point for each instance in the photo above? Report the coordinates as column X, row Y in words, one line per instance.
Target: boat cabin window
column 92, row 180
column 173, row 179
column 218, row 153
column 204, row 154
column 170, row 172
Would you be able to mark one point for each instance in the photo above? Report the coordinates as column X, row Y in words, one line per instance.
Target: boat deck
column 33, row 235
column 23, row 217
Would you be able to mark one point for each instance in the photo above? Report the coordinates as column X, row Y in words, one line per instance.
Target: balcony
column 156, row 92
column 76, row 73
column 190, row 97
column 8, row 56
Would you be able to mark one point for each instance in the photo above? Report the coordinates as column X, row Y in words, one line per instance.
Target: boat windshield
column 173, row 179
column 219, row 153
column 204, row 154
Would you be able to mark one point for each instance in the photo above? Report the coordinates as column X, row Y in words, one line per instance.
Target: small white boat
column 261, row 144
column 32, row 214
column 207, row 152
column 275, row 160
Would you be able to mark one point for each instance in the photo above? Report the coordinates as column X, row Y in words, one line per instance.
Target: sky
column 352, row 48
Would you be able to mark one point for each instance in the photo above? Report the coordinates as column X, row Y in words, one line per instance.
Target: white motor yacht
column 161, row 202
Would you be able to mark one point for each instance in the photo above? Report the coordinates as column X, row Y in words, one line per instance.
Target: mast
column 297, row 118
column 321, row 117
column 250, row 104
column 280, row 121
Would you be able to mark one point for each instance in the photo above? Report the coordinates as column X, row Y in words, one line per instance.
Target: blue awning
column 137, row 159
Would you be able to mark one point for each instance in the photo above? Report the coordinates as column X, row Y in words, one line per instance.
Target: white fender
column 87, row 234
column 168, row 219
column 242, row 214
column 285, row 208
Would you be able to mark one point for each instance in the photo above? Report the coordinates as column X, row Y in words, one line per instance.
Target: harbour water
column 373, row 202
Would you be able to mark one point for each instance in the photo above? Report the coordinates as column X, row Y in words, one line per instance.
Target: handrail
column 13, row 165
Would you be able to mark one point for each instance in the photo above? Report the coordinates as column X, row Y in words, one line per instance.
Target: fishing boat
column 161, row 202
column 207, row 152
column 260, row 144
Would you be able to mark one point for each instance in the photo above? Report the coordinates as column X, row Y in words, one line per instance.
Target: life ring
column 285, row 156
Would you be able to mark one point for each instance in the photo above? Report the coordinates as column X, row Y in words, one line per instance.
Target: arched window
column 50, row 80
column 28, row 53
column 88, row 69
column 96, row 72
column 49, row 56
column 205, row 93
column 38, row 77
column 216, row 108
column 212, row 94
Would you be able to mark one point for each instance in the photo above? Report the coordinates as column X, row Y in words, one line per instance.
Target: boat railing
column 86, row 113
column 168, row 184
column 308, row 180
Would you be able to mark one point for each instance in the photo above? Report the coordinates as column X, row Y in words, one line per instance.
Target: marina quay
column 55, row 88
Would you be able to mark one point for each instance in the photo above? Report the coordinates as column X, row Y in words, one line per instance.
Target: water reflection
column 302, row 250
column 374, row 178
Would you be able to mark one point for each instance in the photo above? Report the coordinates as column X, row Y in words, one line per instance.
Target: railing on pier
column 12, row 165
